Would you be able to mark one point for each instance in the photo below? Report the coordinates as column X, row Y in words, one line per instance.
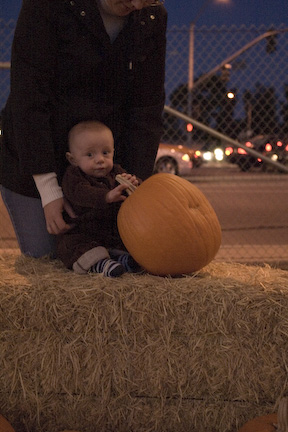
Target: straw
column 203, row 352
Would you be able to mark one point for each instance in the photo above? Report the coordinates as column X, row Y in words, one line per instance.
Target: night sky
column 227, row 12
column 217, row 12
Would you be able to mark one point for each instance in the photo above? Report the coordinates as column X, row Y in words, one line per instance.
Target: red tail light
column 268, row 147
column 228, row 151
column 241, row 151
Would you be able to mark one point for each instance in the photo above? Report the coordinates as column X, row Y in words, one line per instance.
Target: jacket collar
column 88, row 14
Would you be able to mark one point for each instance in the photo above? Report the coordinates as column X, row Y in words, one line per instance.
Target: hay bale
column 140, row 353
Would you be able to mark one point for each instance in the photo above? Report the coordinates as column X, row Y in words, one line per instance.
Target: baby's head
column 91, row 148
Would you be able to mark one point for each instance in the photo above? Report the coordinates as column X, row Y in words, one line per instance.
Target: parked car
column 277, row 150
column 239, row 156
column 176, row 159
column 267, row 145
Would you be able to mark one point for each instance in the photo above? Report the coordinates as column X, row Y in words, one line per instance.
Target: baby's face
column 93, row 152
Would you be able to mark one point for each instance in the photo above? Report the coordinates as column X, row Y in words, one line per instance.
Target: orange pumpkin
column 5, row 426
column 263, row 423
column 270, row 422
column 168, row 226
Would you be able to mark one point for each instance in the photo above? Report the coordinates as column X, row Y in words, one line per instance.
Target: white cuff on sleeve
column 48, row 187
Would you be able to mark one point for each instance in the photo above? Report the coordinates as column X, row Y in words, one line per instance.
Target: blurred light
column 207, row 156
column 172, row 150
column 279, row 144
column 225, row 72
column 249, row 144
column 268, row 147
column 228, row 151
column 186, row 157
column 198, row 153
column 286, row 148
column 230, row 95
column 274, row 157
column 189, row 127
column 242, row 151
column 219, row 154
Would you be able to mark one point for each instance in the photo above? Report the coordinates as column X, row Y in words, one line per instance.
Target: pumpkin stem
column 282, row 415
column 130, row 187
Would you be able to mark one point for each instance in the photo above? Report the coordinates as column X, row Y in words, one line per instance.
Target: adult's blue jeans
column 28, row 220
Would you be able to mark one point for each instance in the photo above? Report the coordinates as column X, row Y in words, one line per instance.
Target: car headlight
column 207, row 156
column 219, row 154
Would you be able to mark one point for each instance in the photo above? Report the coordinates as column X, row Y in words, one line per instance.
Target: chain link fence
column 231, row 79
column 227, row 100
column 6, row 37
column 227, row 96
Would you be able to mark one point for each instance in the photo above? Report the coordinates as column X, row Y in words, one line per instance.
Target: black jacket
column 64, row 69
column 96, row 222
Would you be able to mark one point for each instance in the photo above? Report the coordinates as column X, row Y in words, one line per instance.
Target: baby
column 94, row 243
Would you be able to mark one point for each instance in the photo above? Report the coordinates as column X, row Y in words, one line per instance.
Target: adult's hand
column 54, row 216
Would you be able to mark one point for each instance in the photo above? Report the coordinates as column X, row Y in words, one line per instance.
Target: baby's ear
column 70, row 158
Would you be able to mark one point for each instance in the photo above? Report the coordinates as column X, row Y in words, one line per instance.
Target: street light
column 231, row 95
column 202, row 9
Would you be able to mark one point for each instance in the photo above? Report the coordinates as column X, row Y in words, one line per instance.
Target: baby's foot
column 108, row 267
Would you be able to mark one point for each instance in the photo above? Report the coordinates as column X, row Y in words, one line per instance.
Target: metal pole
column 237, row 54
column 223, row 137
column 191, row 57
column 190, row 76
column 202, row 9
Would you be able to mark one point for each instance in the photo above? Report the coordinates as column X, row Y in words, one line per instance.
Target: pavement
column 254, row 254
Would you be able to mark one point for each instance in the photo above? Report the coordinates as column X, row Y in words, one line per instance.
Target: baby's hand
column 131, row 178
column 115, row 194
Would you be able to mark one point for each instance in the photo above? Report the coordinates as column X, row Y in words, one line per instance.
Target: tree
column 209, row 104
column 260, row 105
